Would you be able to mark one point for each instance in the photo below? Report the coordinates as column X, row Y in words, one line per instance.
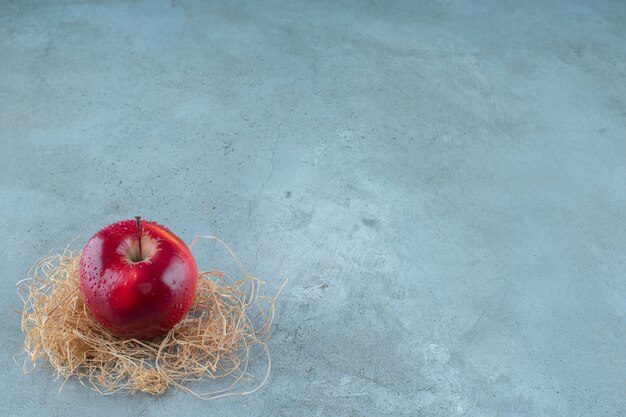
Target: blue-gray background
column 443, row 182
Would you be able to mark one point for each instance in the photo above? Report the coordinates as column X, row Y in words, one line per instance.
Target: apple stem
column 138, row 218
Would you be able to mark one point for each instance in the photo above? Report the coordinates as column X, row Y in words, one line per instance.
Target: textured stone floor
column 443, row 183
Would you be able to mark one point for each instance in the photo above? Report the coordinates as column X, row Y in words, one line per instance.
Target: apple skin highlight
column 132, row 294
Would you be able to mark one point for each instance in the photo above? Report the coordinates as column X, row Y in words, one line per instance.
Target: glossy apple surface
column 137, row 297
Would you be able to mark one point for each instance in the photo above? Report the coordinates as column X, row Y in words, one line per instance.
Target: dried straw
column 227, row 327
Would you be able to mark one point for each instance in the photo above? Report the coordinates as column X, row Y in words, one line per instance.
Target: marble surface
column 443, row 183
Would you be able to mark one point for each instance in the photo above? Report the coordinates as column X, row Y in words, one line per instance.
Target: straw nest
column 227, row 328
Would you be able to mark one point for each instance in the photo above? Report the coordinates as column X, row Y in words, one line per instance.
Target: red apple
column 137, row 289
